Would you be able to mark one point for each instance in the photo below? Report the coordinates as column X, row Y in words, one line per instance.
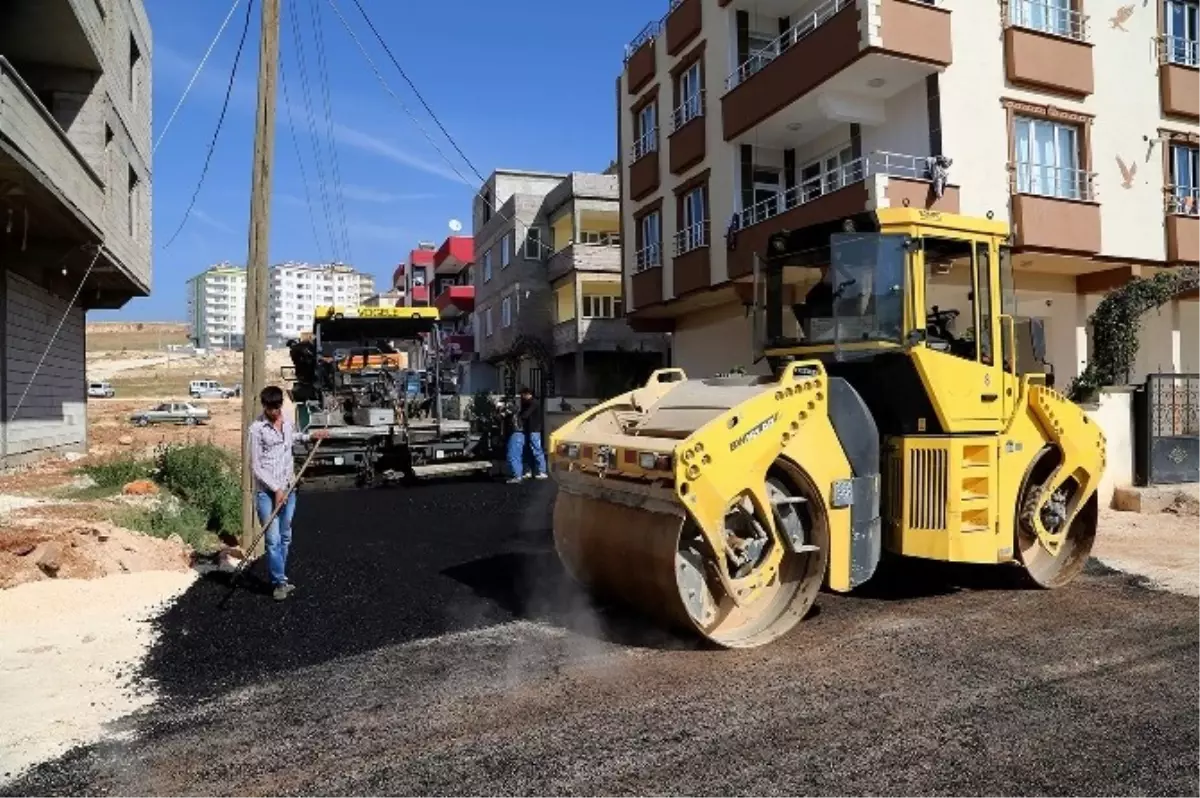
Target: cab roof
column 352, row 323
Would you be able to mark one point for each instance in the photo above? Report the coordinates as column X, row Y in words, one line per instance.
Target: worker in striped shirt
column 271, row 439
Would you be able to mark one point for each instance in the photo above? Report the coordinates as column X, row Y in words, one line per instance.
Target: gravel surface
column 434, row 646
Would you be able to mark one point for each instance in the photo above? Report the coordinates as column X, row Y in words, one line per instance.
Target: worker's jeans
column 279, row 534
column 516, row 452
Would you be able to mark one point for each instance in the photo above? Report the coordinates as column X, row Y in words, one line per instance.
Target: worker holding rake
column 271, row 439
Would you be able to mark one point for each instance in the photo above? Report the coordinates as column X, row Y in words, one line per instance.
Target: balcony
column 686, row 145
column 1183, row 224
column 584, row 258
column 1179, row 77
column 684, row 22
column 1055, row 208
column 455, row 301
column 646, row 284
column 823, row 58
column 37, row 155
column 1046, row 47
column 603, row 335
column 67, row 33
column 643, row 167
column 690, row 266
column 455, row 254
column 640, row 63
column 879, row 179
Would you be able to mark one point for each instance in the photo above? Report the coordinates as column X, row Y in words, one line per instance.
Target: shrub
column 118, row 472
column 167, row 519
column 206, row 478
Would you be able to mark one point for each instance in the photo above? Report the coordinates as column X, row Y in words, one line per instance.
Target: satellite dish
column 455, row 225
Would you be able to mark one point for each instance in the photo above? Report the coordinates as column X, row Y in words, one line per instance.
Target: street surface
column 433, row 645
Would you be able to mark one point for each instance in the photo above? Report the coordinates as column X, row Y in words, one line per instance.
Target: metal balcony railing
column 648, row 33
column 1183, row 200
column 805, row 25
column 1056, row 17
column 1056, row 182
column 648, row 257
column 691, row 108
column 831, row 179
column 691, row 237
column 1179, row 50
column 645, row 144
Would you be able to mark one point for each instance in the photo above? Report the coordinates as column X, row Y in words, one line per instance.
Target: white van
column 198, row 388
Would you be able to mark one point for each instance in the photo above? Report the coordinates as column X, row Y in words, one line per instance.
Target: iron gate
column 1166, row 430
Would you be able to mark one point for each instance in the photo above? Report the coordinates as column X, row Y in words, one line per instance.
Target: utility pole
column 254, row 345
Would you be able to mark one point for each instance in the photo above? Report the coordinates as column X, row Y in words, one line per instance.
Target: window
column 1049, row 16
column 983, row 300
column 1048, row 159
column 650, row 253
column 948, row 262
column 505, row 249
column 690, row 95
column 693, row 232
column 645, row 132
column 601, row 307
column 487, row 323
column 487, row 265
column 135, row 67
column 533, row 244
column 1181, row 31
column 767, row 181
column 506, row 312
column 827, row 173
column 1185, row 180
column 135, row 222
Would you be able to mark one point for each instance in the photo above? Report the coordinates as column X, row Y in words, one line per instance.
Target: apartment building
column 548, row 283
column 413, row 277
column 298, row 289
column 1075, row 121
column 217, row 300
column 74, row 203
column 217, row 307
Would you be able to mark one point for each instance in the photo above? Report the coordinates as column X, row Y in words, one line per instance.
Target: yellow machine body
column 722, row 505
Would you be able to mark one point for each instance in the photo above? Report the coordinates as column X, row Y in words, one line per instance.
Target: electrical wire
column 481, row 193
column 416, row 92
column 310, row 118
column 54, row 336
column 237, row 59
column 196, row 74
column 312, row 217
column 336, row 170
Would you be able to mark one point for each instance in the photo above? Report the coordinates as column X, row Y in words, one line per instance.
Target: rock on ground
column 34, row 549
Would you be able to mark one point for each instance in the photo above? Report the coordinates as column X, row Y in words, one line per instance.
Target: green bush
column 118, row 472
column 188, row 522
column 205, row 478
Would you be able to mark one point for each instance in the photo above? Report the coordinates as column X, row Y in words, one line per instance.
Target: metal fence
column 1167, row 430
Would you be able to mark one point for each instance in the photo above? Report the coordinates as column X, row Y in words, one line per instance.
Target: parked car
column 100, row 390
column 231, row 392
column 198, row 388
column 171, row 413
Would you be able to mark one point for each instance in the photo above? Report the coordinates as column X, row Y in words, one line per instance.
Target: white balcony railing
column 1056, row 17
column 691, row 108
column 1183, row 201
column 1056, row 182
column 804, row 25
column 648, row 257
column 1179, row 50
column 645, row 144
column 831, row 179
column 691, row 237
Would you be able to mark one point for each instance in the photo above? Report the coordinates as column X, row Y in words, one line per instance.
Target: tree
column 1117, row 323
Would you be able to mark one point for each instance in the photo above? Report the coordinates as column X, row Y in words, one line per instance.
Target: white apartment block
column 217, row 299
column 1073, row 120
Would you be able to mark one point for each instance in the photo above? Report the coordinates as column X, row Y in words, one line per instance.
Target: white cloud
column 212, row 82
column 367, row 194
column 211, row 221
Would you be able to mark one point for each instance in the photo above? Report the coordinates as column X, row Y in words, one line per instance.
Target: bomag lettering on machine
column 722, row 505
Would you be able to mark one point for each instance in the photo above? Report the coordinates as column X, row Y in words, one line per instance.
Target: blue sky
column 522, row 85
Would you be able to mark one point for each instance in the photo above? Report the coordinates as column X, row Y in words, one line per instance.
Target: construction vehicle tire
column 1047, row 570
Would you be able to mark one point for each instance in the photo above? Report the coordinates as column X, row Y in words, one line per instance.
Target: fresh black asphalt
column 434, row 646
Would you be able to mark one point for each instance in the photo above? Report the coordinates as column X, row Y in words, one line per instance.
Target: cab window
column 950, row 297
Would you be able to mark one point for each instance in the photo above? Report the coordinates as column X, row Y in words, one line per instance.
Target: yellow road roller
column 879, row 421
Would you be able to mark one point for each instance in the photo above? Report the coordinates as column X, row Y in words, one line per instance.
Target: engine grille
column 928, row 495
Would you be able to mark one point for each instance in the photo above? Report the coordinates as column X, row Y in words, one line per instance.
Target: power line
column 322, row 180
column 237, row 59
column 323, row 72
column 413, row 86
column 312, row 218
column 196, row 74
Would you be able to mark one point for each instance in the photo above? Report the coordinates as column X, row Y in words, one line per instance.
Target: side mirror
column 1037, row 339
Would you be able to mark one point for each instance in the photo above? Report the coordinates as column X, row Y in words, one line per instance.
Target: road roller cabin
column 722, row 505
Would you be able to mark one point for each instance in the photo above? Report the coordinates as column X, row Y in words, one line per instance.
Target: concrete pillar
column 1081, row 335
column 1176, row 337
column 576, row 224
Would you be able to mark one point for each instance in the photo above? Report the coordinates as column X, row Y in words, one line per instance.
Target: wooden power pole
column 254, row 350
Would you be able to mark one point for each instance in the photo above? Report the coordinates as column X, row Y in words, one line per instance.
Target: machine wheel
column 659, row 564
column 1053, row 569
